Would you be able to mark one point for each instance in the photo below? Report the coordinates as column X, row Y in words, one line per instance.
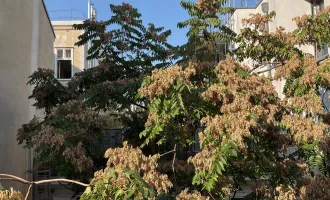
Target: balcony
column 243, row 3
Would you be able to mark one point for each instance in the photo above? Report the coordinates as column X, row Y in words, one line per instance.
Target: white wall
column 25, row 35
column 285, row 10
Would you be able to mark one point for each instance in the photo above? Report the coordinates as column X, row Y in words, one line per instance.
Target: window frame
column 64, row 58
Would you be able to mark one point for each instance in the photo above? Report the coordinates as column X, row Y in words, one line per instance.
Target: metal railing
column 242, row 3
column 70, row 15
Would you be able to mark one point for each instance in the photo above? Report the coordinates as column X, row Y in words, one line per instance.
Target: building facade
column 69, row 59
column 285, row 12
column 26, row 43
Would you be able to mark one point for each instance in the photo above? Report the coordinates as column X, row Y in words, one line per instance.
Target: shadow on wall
column 76, row 70
column 13, row 157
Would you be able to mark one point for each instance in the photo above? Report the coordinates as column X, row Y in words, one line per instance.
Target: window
column 60, row 53
column 321, row 53
column 319, row 6
column 64, row 59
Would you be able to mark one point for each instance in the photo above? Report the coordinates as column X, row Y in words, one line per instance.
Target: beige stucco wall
column 238, row 15
column 66, row 37
column 285, row 12
column 23, row 21
column 46, row 34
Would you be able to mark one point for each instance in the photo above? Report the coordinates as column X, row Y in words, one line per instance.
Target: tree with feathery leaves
column 248, row 134
column 78, row 115
column 207, row 29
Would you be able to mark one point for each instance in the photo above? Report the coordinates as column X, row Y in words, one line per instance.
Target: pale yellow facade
column 66, row 37
column 26, row 43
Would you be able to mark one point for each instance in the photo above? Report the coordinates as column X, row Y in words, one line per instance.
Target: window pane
column 321, row 5
column 64, row 69
column 68, row 53
column 60, row 53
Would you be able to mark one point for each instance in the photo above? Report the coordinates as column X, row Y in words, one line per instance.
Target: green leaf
column 242, row 73
column 118, row 194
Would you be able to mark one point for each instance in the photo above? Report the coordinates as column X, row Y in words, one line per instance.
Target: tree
column 77, row 115
column 206, row 30
column 247, row 131
column 10, row 194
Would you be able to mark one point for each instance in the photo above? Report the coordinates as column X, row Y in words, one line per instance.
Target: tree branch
column 66, row 186
column 211, row 196
column 173, row 162
column 138, row 105
column 15, row 178
column 168, row 152
column 61, row 180
column 28, row 193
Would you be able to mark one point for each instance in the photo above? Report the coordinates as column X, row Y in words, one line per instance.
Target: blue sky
column 160, row 12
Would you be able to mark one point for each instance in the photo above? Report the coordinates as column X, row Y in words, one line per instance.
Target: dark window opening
column 64, row 69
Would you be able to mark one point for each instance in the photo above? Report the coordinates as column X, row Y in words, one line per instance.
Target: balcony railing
column 67, row 15
column 243, row 3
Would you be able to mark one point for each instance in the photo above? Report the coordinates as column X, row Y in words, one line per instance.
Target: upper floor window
column 320, row 53
column 319, row 6
column 64, row 62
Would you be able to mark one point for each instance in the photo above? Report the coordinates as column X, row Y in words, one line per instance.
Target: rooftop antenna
column 89, row 9
column 94, row 12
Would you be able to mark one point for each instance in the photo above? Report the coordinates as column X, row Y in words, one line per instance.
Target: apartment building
column 285, row 10
column 69, row 59
column 26, row 43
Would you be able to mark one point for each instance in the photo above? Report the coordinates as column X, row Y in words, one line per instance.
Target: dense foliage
column 78, row 115
column 10, row 194
column 206, row 30
column 248, row 135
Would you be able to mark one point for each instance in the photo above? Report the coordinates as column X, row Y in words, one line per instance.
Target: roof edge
column 50, row 22
column 67, row 22
column 249, row 7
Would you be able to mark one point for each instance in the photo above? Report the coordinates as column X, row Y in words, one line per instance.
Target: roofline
column 249, row 7
column 259, row 3
column 67, row 23
column 50, row 22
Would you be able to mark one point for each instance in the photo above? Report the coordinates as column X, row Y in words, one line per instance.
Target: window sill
column 69, row 79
